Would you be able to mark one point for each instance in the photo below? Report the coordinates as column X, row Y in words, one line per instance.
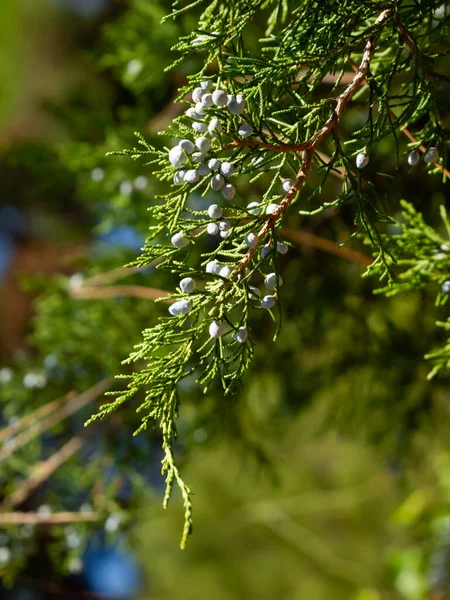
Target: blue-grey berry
column 186, row 146
column 178, row 178
column 224, row 225
column 245, row 130
column 193, row 114
column 177, row 157
column 140, row 183
column 199, row 109
column 445, row 287
column 227, row 169
column 215, row 211
column 282, row 248
column 254, row 208
column 197, row 94
column 266, row 250
column 179, row 240
column 271, row 208
column 206, row 85
column 254, row 293
column 214, row 164
column 212, row 228
column 224, row 234
column 219, row 97
column 199, row 127
column 271, row 281
column 287, row 184
column 217, row 182
column 187, row 284
column 198, row 157
column 413, row 158
column 241, row 335
column 251, row 239
column 236, row 106
column 126, row 188
column 204, row 170
column 228, row 191
column 214, row 126
column 207, row 100
column 362, row 160
column 213, row 267
column 216, row 329
column 192, row 176
column 182, row 307
column 225, row 271
column 203, row 144
column 431, row 155
column 268, row 301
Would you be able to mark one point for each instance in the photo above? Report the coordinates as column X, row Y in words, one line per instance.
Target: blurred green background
column 328, row 477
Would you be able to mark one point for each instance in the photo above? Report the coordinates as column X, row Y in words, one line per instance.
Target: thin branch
column 42, row 471
column 71, row 407
column 118, row 291
column 32, row 417
column 309, row 239
column 311, row 144
column 34, row 518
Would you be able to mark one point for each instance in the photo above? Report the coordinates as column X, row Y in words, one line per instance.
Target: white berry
column 212, row 228
column 272, row 208
column 431, row 155
column 193, row 114
column 254, row 292
column 178, row 178
column 219, row 97
column 362, row 160
column 199, row 109
column 199, row 127
column 214, row 126
column 253, row 208
column 224, row 234
column 179, row 241
column 203, row 144
column 215, row 211
column 204, row 170
column 197, row 94
column 241, row 335
column 224, row 225
column 187, row 285
column 217, row 182
column 236, row 106
column 187, row 146
column 228, row 191
column 182, row 307
column 214, row 164
column 271, row 281
column 177, row 157
column 213, row 268
column 206, row 85
column 225, row 272
column 268, row 301
column 251, row 239
column 207, row 100
column 245, row 130
column 198, row 157
column 192, row 176
column 287, row 184
column 216, row 329
column 266, row 250
column 227, row 169
column 413, row 158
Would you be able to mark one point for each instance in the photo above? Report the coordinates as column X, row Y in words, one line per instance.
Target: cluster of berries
column 430, row 156
column 193, row 160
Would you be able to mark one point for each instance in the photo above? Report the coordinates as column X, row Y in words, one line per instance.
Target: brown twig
column 119, row 291
column 314, row 241
column 311, row 144
column 22, row 518
column 32, row 417
column 71, row 407
column 42, row 471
